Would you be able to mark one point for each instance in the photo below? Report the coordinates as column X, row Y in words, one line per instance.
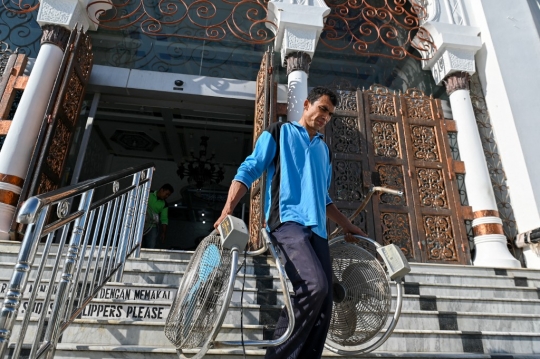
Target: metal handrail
column 104, row 230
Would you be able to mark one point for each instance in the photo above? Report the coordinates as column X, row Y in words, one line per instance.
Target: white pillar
column 299, row 26
column 489, row 238
column 452, row 62
column 57, row 18
column 297, row 77
column 21, row 138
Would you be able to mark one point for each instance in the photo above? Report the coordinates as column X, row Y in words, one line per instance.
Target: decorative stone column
column 451, row 63
column 57, row 18
column 299, row 26
column 489, row 238
column 297, row 76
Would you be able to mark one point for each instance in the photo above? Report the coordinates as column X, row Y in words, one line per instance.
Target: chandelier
column 200, row 169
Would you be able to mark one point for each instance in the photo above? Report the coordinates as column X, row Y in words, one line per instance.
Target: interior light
column 202, row 214
column 203, row 222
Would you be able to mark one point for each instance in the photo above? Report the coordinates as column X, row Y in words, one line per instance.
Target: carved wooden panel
column 387, row 156
column 408, row 149
column 265, row 110
column 437, row 209
column 346, row 139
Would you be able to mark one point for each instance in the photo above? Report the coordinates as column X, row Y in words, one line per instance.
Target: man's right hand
column 236, row 192
column 221, row 218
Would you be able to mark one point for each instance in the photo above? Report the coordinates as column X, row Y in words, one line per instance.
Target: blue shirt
column 298, row 175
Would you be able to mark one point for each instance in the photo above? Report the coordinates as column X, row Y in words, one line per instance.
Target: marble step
column 458, row 269
column 141, row 332
column 472, row 279
column 417, row 313
column 9, row 250
column 415, row 341
column 65, row 351
column 471, row 291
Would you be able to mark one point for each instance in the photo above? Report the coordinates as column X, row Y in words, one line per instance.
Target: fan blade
column 209, row 262
column 343, row 321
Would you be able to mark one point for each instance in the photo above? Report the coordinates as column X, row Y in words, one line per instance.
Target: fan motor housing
column 233, row 232
column 396, row 263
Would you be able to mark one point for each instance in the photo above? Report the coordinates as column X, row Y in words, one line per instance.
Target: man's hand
column 236, row 192
column 224, row 214
column 335, row 215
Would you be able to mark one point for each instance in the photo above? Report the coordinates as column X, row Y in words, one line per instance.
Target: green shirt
column 158, row 206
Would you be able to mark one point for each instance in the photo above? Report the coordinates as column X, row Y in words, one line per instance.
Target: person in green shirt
column 156, row 212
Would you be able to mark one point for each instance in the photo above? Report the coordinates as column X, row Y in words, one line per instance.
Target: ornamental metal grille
column 454, row 148
column 15, row 104
column 368, row 28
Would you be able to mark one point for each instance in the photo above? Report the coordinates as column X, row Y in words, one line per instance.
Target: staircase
column 449, row 311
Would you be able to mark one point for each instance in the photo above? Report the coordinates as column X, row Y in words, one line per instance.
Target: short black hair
column 319, row 91
column 167, row 187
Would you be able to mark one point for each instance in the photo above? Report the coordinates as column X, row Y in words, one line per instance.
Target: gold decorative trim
column 8, row 197
column 488, row 228
column 13, row 180
column 485, row 213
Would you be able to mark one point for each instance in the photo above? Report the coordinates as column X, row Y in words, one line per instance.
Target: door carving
column 265, row 106
column 402, row 140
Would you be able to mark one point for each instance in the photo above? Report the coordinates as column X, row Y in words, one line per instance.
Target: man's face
column 163, row 194
column 317, row 114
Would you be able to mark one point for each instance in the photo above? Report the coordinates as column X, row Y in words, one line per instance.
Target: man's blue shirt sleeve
column 256, row 163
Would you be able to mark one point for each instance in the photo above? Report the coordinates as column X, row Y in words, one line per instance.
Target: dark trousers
column 149, row 239
column 306, row 258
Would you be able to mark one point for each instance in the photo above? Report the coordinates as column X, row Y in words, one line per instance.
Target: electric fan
column 361, row 288
column 362, row 294
column 204, row 295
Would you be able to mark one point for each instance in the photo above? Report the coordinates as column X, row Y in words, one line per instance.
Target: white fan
column 361, row 293
column 204, row 295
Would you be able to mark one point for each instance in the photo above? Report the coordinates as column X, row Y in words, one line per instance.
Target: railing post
column 127, row 226
column 60, row 302
column 19, row 279
column 142, row 213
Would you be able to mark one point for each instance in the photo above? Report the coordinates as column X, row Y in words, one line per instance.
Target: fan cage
column 362, row 295
column 199, row 298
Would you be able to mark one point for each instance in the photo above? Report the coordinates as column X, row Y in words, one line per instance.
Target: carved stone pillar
column 57, row 18
column 299, row 26
column 489, row 238
column 297, row 75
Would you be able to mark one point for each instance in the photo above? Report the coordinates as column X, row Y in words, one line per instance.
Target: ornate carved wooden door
column 402, row 139
column 265, row 105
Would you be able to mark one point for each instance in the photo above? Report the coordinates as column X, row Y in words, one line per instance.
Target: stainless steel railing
column 97, row 225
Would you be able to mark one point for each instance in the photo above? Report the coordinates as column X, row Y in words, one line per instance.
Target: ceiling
column 132, row 128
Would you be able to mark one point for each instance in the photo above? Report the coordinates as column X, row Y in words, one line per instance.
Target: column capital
column 297, row 61
column 71, row 13
column 55, row 35
column 299, row 24
column 456, row 81
column 454, row 50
